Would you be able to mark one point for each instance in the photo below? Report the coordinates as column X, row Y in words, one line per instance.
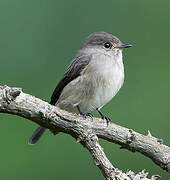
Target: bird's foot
column 108, row 120
column 86, row 115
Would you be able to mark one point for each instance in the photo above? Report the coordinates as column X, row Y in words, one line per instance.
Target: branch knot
column 9, row 94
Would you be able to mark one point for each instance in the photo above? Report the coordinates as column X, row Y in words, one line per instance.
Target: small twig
column 14, row 101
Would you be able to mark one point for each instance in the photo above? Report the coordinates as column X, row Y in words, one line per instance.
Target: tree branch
column 14, row 101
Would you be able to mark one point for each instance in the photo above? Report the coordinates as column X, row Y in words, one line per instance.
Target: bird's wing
column 73, row 71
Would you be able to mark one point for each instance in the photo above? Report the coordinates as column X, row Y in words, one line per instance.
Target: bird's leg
column 84, row 114
column 108, row 120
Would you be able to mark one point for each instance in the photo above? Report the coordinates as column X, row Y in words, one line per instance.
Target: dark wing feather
column 73, row 71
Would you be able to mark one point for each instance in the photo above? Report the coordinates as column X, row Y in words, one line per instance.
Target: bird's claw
column 84, row 114
column 108, row 120
column 87, row 115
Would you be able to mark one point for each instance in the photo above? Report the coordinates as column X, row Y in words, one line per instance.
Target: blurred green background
column 38, row 38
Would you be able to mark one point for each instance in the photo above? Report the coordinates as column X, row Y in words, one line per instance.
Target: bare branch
column 14, row 101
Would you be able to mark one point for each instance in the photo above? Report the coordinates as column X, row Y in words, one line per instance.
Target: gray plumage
column 73, row 71
column 93, row 77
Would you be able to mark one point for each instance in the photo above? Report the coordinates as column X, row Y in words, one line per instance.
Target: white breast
column 106, row 76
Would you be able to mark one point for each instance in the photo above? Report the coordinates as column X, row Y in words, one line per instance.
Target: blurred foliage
column 38, row 38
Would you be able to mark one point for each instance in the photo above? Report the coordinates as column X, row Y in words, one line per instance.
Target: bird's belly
column 105, row 88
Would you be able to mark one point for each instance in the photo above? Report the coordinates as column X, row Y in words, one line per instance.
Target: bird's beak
column 123, row 46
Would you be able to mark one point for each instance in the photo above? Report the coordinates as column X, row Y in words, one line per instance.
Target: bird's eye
column 107, row 45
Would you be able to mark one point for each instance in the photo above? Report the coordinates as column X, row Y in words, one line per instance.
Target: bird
column 93, row 78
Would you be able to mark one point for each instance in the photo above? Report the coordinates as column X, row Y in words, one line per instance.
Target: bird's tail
column 36, row 135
